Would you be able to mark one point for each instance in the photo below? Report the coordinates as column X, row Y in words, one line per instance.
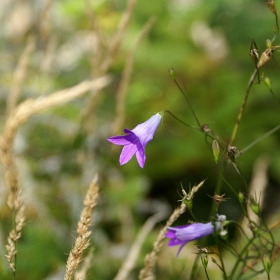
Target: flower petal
column 145, row 131
column 123, row 139
column 175, row 242
column 195, row 231
column 140, row 155
column 127, row 153
column 181, row 247
column 170, row 233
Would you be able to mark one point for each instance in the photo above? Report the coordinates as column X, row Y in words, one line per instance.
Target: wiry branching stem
column 241, row 111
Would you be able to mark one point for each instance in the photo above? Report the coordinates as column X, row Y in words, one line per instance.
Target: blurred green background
column 59, row 151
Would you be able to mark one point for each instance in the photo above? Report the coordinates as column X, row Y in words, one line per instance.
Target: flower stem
column 241, row 111
column 185, row 96
column 206, row 273
column 181, row 120
column 259, row 139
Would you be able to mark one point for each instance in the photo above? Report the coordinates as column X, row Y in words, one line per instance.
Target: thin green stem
column 222, row 262
column 206, row 273
column 268, row 276
column 194, row 268
column 198, row 123
column 259, row 139
column 241, row 175
column 218, row 189
column 277, row 103
column 241, row 111
column 240, row 257
column 193, row 216
column 181, row 120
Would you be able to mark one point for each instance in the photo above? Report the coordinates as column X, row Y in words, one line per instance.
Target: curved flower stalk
column 181, row 235
column 135, row 140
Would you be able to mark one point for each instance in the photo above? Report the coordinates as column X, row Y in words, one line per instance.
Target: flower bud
column 172, row 73
column 241, row 197
column 266, row 263
column 268, row 43
column 216, row 150
column 254, row 204
column 188, row 203
column 204, row 260
column 255, row 208
column 224, row 234
column 267, row 82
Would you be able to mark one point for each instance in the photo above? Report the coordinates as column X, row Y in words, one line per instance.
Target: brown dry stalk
column 150, row 260
column 19, row 75
column 15, row 233
column 82, row 241
column 120, row 96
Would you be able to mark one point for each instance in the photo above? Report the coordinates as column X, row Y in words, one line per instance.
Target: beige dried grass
column 20, row 74
column 150, row 260
column 102, row 61
column 116, row 40
column 17, row 117
column 82, row 273
column 121, row 93
column 133, row 253
column 15, row 233
column 23, row 112
column 82, row 242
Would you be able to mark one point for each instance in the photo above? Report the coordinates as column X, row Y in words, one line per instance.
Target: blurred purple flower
column 181, row 235
column 135, row 140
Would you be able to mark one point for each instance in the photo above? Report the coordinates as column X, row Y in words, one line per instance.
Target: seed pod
column 271, row 5
column 266, row 56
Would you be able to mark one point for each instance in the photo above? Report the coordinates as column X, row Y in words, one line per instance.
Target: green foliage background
column 57, row 155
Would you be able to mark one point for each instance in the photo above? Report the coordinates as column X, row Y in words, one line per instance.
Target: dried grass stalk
column 103, row 65
column 81, row 274
column 82, row 241
column 131, row 258
column 115, row 43
column 23, row 112
column 20, row 74
column 15, row 233
column 120, row 96
column 18, row 116
column 150, row 260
